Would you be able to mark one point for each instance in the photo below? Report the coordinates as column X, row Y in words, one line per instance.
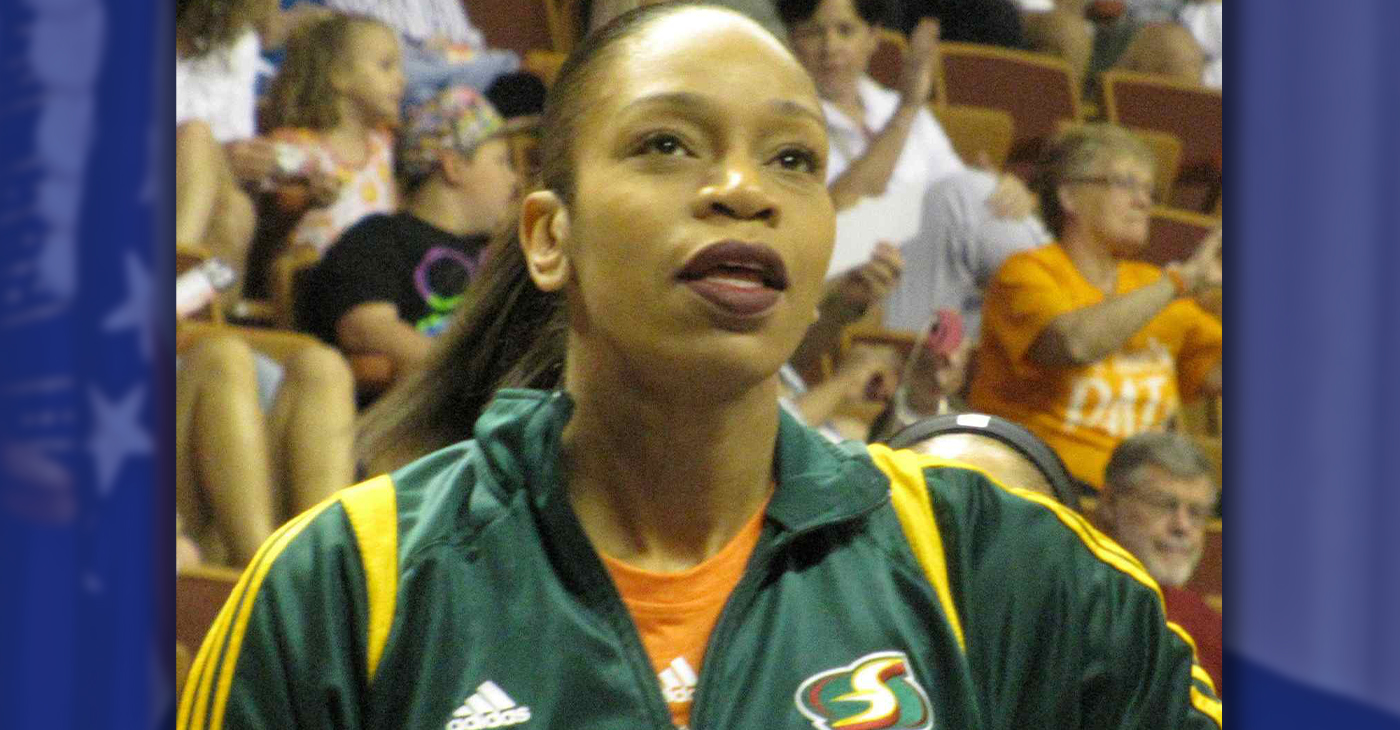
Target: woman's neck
column 664, row 482
column 1092, row 258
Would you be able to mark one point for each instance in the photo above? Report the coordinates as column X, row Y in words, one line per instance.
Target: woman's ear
column 544, row 233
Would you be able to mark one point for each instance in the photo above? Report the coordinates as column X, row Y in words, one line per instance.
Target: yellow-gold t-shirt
column 1083, row 412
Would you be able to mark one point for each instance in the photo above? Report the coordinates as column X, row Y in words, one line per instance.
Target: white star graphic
column 117, row 434
column 136, row 312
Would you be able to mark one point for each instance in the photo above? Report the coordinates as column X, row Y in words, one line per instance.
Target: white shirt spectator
column 928, row 155
column 959, row 243
column 218, row 88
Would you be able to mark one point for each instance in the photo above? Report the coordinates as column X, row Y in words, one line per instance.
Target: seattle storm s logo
column 875, row 691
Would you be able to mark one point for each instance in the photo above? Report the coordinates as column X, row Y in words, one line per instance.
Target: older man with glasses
column 1159, row 494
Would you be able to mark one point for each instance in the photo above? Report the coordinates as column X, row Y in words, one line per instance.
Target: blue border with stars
column 84, row 585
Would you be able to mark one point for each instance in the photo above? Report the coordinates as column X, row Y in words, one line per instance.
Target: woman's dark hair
column 507, row 333
column 873, row 12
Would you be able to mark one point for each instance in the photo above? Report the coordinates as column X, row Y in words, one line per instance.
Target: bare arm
column 1090, row 334
column 867, row 375
column 846, row 300
column 870, row 173
column 375, row 327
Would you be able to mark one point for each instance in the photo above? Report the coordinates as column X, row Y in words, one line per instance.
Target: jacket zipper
column 754, row 573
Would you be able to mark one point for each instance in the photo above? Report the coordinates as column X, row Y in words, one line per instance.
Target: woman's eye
column 797, row 158
column 664, row 144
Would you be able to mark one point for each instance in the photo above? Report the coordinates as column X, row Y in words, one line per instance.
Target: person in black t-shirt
column 392, row 281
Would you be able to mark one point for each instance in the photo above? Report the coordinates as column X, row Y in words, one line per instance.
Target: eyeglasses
column 1197, row 513
column 1121, row 182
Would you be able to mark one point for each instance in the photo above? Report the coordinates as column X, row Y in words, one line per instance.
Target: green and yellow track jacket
column 888, row 590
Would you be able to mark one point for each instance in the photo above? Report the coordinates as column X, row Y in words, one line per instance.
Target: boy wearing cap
column 392, row 281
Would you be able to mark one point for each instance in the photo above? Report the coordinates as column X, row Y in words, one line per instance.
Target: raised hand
column 1205, row 269
column 920, row 61
column 871, row 281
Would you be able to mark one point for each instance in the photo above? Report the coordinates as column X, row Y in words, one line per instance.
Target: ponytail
column 507, row 334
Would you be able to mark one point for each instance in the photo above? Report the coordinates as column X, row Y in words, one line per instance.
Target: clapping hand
column 1205, row 268
column 916, row 77
column 870, row 282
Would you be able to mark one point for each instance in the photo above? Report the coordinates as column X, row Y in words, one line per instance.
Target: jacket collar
column 819, row 483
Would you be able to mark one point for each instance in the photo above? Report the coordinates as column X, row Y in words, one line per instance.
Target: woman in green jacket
column 642, row 540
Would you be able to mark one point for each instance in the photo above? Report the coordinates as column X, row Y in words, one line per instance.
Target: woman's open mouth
column 741, row 279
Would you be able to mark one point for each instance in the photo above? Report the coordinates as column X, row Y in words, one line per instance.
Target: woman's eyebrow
column 787, row 107
column 699, row 104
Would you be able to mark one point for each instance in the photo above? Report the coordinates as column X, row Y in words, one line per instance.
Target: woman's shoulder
column 978, row 515
column 435, row 498
column 1049, row 258
column 445, row 495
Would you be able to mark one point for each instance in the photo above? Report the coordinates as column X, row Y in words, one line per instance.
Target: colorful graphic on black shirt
column 442, row 270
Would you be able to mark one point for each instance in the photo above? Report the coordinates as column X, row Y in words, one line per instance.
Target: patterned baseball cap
column 456, row 118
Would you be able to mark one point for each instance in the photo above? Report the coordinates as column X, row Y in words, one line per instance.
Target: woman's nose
column 737, row 192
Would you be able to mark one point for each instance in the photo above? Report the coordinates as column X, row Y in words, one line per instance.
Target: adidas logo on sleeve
column 488, row 707
column 677, row 681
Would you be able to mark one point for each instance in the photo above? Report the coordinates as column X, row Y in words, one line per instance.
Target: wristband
column 1178, row 282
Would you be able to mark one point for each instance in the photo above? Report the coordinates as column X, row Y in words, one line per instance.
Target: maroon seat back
column 1173, row 235
column 1194, row 114
column 1037, row 90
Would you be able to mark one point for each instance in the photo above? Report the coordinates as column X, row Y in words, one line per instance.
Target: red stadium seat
column 888, row 60
column 518, row 26
column 1194, row 114
column 1174, row 234
column 1036, row 89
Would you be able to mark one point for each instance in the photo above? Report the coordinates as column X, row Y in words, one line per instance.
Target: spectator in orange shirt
column 1080, row 344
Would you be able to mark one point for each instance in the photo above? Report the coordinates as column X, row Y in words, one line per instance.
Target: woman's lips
column 734, row 295
column 741, row 279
